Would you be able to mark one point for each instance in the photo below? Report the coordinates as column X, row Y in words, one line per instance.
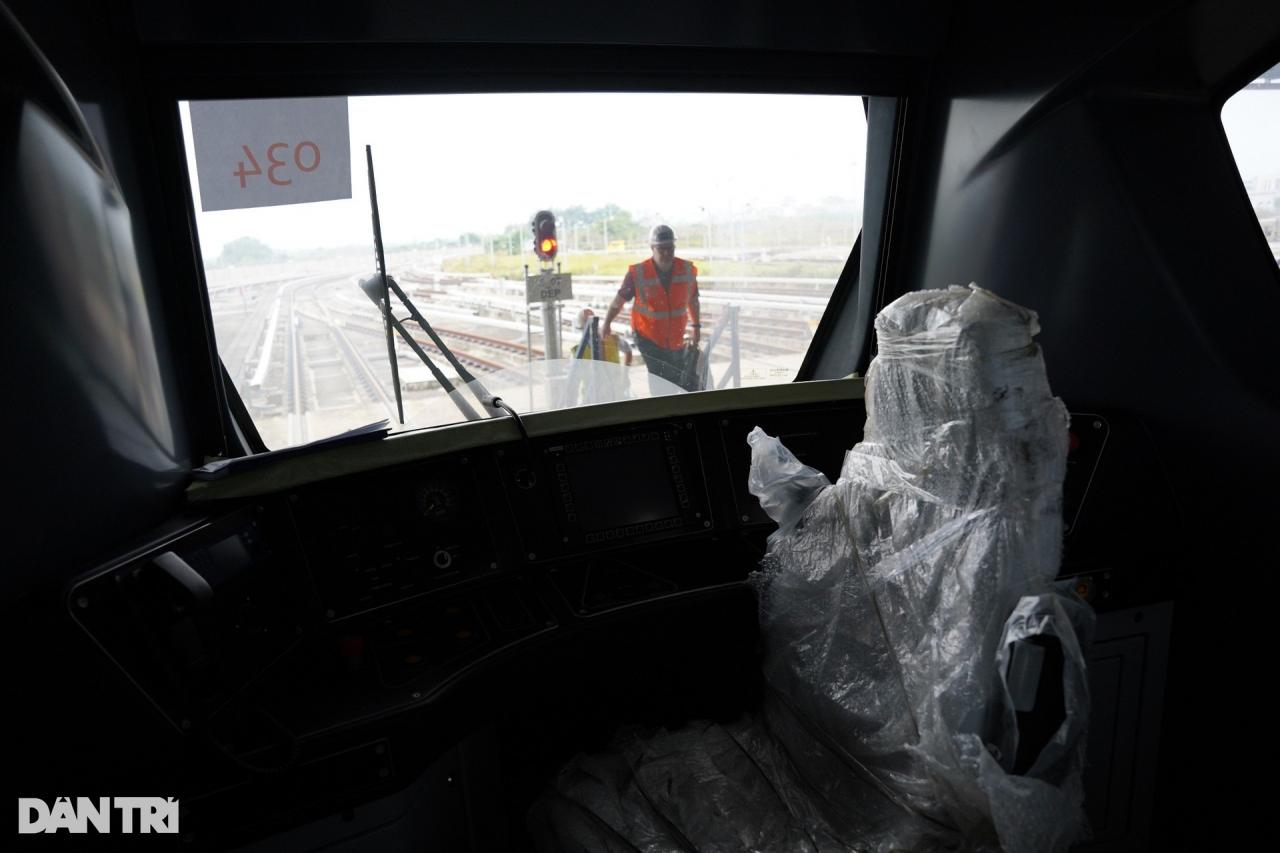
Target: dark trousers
column 668, row 364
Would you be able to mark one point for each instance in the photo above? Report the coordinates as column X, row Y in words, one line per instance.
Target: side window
column 752, row 202
column 1252, row 121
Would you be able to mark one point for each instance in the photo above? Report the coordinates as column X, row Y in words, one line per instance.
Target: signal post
column 547, row 288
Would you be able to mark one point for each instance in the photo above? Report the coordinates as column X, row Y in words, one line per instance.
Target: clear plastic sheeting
column 1022, row 805
column 891, row 604
column 885, row 604
column 705, row 787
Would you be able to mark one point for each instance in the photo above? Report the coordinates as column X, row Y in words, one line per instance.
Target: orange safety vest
column 658, row 314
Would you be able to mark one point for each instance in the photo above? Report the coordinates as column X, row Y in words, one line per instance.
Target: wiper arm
column 383, row 301
column 372, row 288
column 476, row 386
column 379, row 288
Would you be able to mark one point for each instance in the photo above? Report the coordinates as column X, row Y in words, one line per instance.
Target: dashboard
column 297, row 617
column 350, row 597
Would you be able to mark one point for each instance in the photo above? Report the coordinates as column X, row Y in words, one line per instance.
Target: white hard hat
column 661, row 234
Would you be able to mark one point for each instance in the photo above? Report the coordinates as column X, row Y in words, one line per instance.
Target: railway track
column 492, row 343
column 324, row 332
column 468, row 359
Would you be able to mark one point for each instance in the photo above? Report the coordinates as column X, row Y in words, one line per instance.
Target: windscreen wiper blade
column 373, row 288
column 379, row 288
column 476, row 386
column 383, row 300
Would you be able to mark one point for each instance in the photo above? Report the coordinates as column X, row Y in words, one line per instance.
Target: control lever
column 192, row 595
column 191, row 581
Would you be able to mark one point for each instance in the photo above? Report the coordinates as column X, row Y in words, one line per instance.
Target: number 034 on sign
column 274, row 163
column 260, row 153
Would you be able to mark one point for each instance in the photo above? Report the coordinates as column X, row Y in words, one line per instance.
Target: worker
column 665, row 290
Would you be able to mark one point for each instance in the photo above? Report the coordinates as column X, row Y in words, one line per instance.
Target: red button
column 352, row 646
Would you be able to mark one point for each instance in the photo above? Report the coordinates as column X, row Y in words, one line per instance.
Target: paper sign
column 267, row 152
column 548, row 287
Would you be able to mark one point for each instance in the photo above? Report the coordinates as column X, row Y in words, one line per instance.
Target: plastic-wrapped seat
column 890, row 604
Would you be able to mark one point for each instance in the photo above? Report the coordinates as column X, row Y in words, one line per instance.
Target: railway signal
column 545, row 244
column 547, row 287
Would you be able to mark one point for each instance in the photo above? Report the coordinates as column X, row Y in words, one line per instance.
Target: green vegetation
column 606, row 240
column 246, row 250
column 503, row 265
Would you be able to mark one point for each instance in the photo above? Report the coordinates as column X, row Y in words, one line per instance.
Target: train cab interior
column 314, row 636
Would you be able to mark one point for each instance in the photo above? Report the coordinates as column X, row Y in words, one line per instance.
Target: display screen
column 621, row 485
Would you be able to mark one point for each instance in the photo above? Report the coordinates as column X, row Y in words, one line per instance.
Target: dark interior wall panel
column 1224, row 32
column 1103, row 199
column 97, row 435
column 1109, row 203
column 94, row 50
column 905, row 28
column 1122, row 224
column 97, row 449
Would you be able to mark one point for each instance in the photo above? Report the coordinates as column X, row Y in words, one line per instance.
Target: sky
column 449, row 164
column 1251, row 118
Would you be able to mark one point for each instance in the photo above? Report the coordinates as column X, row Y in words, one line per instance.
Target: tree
column 247, row 250
column 622, row 226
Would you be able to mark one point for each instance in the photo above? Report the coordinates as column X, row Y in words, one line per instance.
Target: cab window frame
column 260, row 71
column 1266, row 63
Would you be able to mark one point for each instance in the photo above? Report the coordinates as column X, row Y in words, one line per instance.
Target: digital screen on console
column 621, row 486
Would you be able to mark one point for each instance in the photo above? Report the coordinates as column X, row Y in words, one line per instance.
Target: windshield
column 695, row 242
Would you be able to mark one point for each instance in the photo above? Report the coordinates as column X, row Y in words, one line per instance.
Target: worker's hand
column 605, row 331
column 695, row 337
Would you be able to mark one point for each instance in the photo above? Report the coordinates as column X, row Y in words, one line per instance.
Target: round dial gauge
column 436, row 500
